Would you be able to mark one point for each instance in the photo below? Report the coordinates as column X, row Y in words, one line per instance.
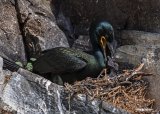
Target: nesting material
column 2, row 111
column 127, row 90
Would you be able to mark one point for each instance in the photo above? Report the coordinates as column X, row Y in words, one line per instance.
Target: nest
column 126, row 91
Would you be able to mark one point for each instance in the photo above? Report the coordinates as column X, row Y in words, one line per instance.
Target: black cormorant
column 71, row 64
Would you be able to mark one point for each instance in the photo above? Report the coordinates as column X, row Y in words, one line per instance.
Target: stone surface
column 141, row 14
column 83, row 43
column 82, row 13
column 131, row 54
column 39, row 27
column 35, row 95
column 139, row 37
column 123, row 14
column 11, row 40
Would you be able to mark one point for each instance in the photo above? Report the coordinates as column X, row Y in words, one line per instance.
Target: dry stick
column 69, row 103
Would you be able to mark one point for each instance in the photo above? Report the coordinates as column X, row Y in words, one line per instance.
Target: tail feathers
column 10, row 65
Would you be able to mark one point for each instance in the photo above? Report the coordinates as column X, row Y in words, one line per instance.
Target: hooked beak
column 103, row 42
column 108, row 59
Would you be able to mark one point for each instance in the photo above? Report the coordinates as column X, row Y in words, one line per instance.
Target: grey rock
column 137, row 54
column 130, row 37
column 82, row 13
column 81, row 104
column 112, row 109
column 141, row 14
column 132, row 54
column 66, row 26
column 39, row 27
column 27, row 97
column 123, row 14
column 11, row 41
column 82, row 43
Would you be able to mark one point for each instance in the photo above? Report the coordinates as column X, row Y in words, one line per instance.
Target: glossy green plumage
column 72, row 64
column 68, row 63
column 65, row 60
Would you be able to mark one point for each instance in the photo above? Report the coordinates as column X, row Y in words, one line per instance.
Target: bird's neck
column 99, row 57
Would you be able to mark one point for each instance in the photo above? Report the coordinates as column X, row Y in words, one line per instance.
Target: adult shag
column 71, row 64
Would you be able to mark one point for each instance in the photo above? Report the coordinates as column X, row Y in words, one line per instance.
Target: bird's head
column 102, row 38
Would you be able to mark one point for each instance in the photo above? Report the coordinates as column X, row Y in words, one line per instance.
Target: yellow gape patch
column 103, row 41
